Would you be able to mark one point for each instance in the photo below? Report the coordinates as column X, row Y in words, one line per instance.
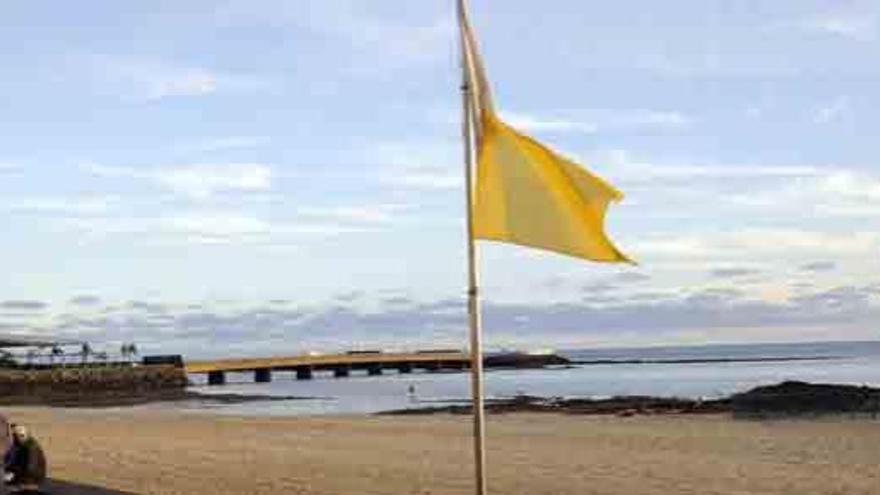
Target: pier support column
column 374, row 370
column 303, row 372
column 262, row 375
column 216, row 378
column 341, row 372
column 454, row 365
column 404, row 368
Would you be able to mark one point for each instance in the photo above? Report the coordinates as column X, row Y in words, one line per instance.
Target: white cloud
column 422, row 166
column 144, row 79
column 593, row 121
column 374, row 39
column 537, row 124
column 214, row 225
column 657, row 119
column 83, row 205
column 199, row 181
column 834, row 193
column 625, row 166
column 832, row 110
column 852, row 185
column 425, row 178
column 859, row 26
column 227, row 143
column 750, row 244
column 355, row 214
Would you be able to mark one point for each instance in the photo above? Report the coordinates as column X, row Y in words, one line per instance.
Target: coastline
column 791, row 398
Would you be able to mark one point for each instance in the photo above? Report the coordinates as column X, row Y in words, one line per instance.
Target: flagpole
column 476, row 341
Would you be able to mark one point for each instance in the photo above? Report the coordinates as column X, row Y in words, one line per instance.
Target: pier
column 366, row 362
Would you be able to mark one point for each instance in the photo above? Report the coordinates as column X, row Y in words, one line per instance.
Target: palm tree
column 132, row 352
column 57, row 351
column 85, row 352
column 6, row 359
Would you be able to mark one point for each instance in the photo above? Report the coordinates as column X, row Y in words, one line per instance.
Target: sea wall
column 72, row 385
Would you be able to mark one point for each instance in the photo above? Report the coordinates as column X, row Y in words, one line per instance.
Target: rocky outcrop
column 807, row 398
column 784, row 399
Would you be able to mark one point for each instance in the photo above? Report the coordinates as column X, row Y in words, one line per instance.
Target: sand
column 164, row 452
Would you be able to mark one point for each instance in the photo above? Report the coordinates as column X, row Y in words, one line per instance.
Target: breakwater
column 91, row 385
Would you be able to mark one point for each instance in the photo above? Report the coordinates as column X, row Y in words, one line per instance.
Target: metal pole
column 476, row 345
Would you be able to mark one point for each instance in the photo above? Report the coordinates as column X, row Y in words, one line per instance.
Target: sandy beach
column 165, row 452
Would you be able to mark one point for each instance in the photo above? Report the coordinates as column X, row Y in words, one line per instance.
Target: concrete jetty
column 371, row 362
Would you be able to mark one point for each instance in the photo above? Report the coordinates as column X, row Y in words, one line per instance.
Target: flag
column 526, row 193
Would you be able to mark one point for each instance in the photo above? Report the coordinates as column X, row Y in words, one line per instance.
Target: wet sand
column 162, row 452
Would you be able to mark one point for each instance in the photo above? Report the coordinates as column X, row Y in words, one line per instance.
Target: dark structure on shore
column 793, row 398
column 88, row 384
column 372, row 362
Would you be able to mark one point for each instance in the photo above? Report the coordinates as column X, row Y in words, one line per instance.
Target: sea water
column 660, row 374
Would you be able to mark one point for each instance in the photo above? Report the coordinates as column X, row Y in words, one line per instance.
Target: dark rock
column 794, row 397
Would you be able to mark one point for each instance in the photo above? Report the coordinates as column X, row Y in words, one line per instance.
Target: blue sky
column 272, row 177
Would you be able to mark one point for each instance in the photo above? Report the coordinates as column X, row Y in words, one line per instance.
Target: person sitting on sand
column 5, row 450
column 25, row 464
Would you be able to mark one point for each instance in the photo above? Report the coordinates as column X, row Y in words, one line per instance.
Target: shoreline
column 786, row 398
column 114, row 400
column 768, row 359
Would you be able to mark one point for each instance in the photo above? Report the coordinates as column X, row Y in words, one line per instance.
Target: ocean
column 691, row 372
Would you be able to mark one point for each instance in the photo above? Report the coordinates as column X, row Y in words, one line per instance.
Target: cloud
column 733, row 272
column 148, row 80
column 631, row 277
column 720, row 314
column 357, row 214
column 209, row 227
column 349, row 297
column 831, row 111
column 200, row 181
column 599, row 120
column 836, row 192
column 398, row 301
column 227, row 143
column 819, row 266
column 147, row 307
column 849, row 23
column 83, row 205
column 851, row 185
column 737, row 191
column 537, row 124
column 758, row 243
column 85, row 301
column 23, row 305
column 214, row 225
column 632, row 169
column 419, row 166
column 424, row 178
column 373, row 39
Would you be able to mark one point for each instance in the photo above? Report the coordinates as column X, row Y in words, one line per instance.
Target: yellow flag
column 527, row 194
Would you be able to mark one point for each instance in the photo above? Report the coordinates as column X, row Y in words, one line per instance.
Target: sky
column 221, row 178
